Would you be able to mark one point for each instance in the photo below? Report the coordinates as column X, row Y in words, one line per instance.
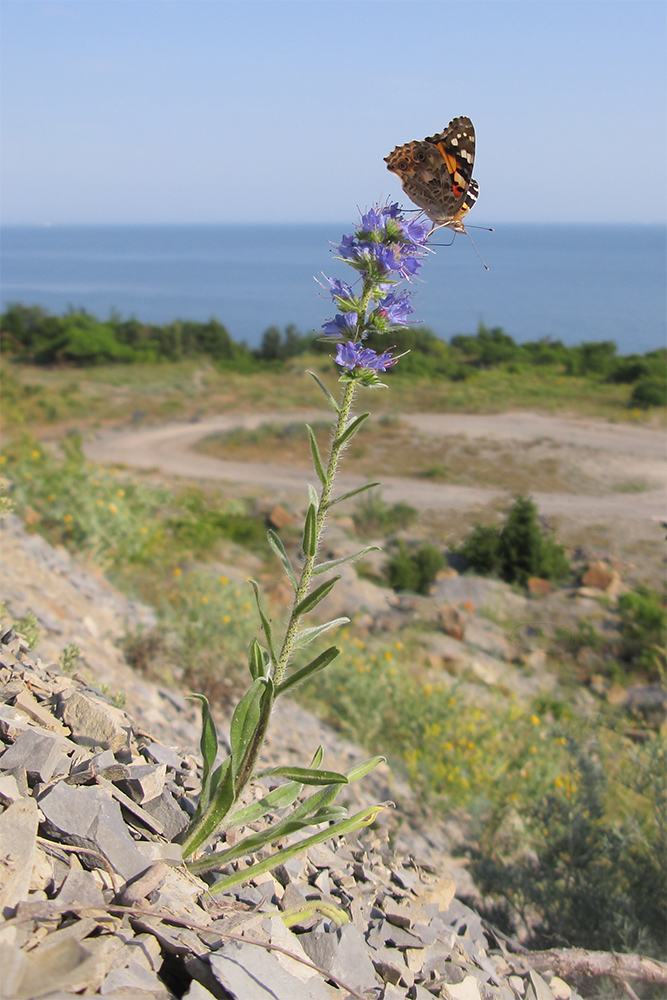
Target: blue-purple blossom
column 353, row 356
column 395, row 307
column 415, row 230
column 340, row 289
column 341, row 325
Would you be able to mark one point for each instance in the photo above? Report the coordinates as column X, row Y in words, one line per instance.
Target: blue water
column 570, row 282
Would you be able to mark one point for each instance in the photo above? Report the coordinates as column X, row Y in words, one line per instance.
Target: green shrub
column 373, row 516
column 414, row 570
column 516, row 552
column 643, row 629
column 649, row 391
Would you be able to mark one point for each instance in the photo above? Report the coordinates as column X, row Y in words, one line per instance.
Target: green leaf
column 244, row 721
column 356, row 822
column 366, row 766
column 325, row 567
column 220, row 804
column 296, row 914
column 351, row 429
column 326, row 392
column 313, row 599
column 303, row 673
column 306, row 775
column 309, row 543
column 317, row 458
column 279, row 549
column 277, row 798
column 352, row 493
column 317, row 757
column 259, row 661
column 266, row 624
column 208, row 744
column 313, row 496
column 307, row 635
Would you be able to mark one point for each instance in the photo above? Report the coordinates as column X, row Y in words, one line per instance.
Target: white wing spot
column 454, row 141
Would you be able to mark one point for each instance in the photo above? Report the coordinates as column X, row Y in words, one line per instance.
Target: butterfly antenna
column 486, row 266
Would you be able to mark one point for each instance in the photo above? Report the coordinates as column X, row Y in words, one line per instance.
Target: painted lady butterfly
column 436, row 174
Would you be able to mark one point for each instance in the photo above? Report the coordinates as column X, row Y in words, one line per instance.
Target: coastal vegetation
column 32, row 336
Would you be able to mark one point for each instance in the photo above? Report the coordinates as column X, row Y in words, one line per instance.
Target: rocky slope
column 94, row 899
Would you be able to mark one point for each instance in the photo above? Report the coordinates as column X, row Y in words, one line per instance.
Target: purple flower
column 415, row 231
column 395, row 307
column 353, row 356
column 340, row 289
column 341, row 325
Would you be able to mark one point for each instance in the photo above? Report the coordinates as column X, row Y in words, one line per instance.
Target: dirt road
column 640, row 451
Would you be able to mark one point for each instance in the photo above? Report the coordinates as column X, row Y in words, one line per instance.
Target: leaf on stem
column 266, row 624
column 356, row 822
column 221, row 802
column 317, row 458
column 244, row 721
column 306, row 775
column 326, row 392
column 352, row 493
column 351, row 429
column 366, row 766
column 309, row 543
column 279, row 549
column 208, row 744
column 277, row 798
column 313, row 599
column 259, row 661
column 313, row 496
column 326, row 566
column 306, row 635
column 297, row 914
column 319, row 663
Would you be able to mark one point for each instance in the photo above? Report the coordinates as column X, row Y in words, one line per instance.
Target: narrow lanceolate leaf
column 356, row 822
column 366, row 766
column 266, row 624
column 351, row 429
column 313, row 599
column 244, row 721
column 208, row 744
column 326, row 392
column 218, row 807
column 317, row 458
column 307, row 635
column 317, row 757
column 326, row 566
column 352, row 493
column 279, row 549
column 319, row 663
column 312, row 496
column 306, row 775
column 297, row 914
column 310, row 532
column 277, row 798
column 259, row 661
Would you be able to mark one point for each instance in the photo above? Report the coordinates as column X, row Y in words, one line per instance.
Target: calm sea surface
column 573, row 283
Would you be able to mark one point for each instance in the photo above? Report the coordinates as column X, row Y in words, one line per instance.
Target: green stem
column 255, row 746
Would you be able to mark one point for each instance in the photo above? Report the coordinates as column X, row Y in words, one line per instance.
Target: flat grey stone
column 93, row 722
column 88, row 817
column 18, row 832
column 133, row 977
column 163, row 755
column 251, row 973
column 145, row 781
column 79, row 888
column 39, row 752
column 351, row 962
column 9, row 789
column 169, row 814
column 320, row 945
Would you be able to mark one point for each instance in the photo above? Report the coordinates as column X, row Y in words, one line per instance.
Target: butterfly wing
column 436, row 173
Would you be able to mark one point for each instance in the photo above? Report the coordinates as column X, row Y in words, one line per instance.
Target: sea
column 573, row 283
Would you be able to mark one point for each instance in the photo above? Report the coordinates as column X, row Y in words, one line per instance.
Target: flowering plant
column 384, row 250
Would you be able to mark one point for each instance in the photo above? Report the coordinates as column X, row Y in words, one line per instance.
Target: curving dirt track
column 639, row 450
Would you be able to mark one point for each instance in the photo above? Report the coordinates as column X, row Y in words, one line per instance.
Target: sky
column 275, row 111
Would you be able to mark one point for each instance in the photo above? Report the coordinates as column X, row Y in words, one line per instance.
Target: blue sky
column 214, row 111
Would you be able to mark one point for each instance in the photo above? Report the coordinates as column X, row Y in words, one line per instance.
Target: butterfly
column 436, row 173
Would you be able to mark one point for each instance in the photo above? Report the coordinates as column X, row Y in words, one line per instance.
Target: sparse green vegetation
column 414, row 570
column 517, row 551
